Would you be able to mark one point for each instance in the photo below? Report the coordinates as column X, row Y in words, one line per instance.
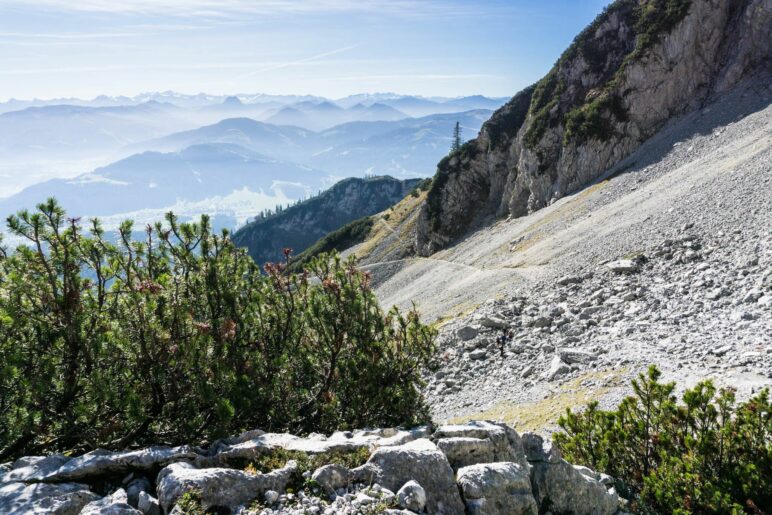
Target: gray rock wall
column 524, row 159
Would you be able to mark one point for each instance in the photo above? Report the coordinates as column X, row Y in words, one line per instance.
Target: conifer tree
column 456, row 138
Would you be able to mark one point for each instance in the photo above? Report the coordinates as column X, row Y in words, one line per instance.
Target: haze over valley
column 230, row 157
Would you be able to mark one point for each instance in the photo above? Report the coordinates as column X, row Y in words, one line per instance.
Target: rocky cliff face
column 301, row 225
column 639, row 64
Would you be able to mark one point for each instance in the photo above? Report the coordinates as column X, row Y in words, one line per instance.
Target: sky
column 332, row 48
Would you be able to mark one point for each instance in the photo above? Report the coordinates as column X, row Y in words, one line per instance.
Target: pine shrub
column 707, row 454
column 179, row 337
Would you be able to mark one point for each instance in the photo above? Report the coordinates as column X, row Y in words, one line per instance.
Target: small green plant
column 190, row 504
column 593, row 120
column 278, row 457
column 705, row 455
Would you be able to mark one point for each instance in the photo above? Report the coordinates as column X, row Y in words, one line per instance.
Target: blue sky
column 83, row 48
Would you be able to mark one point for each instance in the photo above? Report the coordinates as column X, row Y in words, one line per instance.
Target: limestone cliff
column 639, row 64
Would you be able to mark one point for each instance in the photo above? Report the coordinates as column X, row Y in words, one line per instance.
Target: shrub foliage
column 180, row 337
column 705, row 455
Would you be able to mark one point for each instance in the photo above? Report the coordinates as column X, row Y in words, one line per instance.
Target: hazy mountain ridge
column 207, row 100
column 47, row 140
column 239, row 158
column 408, row 147
column 158, row 181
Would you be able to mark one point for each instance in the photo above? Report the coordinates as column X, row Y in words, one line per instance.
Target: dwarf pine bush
column 705, row 455
column 107, row 341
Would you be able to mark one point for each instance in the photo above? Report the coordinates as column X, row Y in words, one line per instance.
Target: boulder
column 412, row 497
column 420, row 461
column 494, row 322
column 332, row 477
column 148, row 504
column 115, row 504
column 31, row 468
column 569, row 279
column 466, row 332
column 218, row 487
column 562, row 488
column 135, row 487
column 542, row 321
column 557, row 369
column 502, row 488
column 271, row 497
column 479, row 441
column 463, row 450
column 571, row 356
column 100, row 462
column 624, row 266
column 59, row 498
column 536, row 449
column 478, row 354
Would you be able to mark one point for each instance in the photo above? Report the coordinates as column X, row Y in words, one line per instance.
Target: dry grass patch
column 543, row 414
column 383, row 227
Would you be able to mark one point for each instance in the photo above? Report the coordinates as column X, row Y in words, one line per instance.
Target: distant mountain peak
column 232, row 101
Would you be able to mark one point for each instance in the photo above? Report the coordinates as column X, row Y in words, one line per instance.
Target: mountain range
column 231, row 169
column 412, row 105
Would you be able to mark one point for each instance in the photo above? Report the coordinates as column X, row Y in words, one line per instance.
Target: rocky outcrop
column 479, row 468
column 479, row 442
column 59, row 498
column 252, row 444
column 551, row 474
column 635, row 67
column 420, row 461
column 98, row 463
column 497, row 489
column 219, row 487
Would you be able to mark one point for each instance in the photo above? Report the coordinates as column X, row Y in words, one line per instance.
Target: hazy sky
column 55, row 48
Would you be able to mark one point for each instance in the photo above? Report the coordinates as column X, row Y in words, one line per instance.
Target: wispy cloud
column 298, row 62
column 214, row 8
column 69, row 35
column 412, row 76
column 263, row 66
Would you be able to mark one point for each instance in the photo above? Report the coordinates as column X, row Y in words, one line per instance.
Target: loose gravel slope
column 692, row 209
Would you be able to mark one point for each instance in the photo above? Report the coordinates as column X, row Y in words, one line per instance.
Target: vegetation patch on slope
column 302, row 224
column 706, row 454
column 179, row 338
column 347, row 236
column 369, row 231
